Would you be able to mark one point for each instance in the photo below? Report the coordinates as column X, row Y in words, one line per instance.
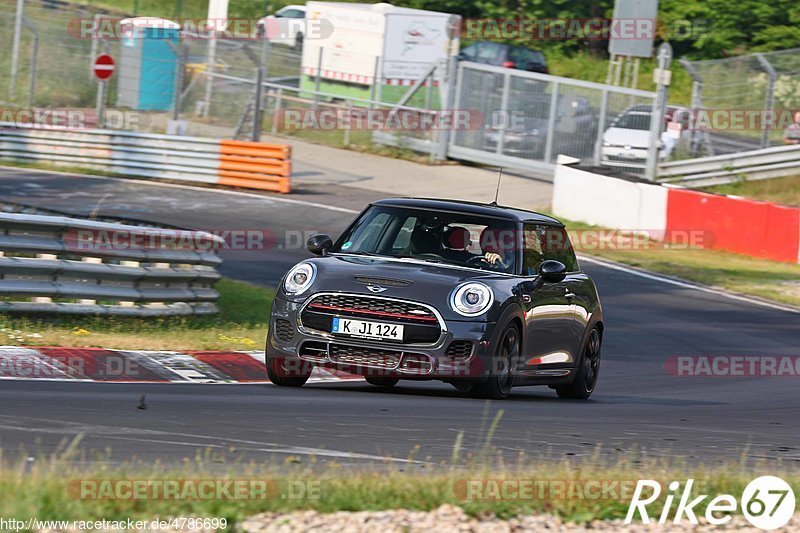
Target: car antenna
column 497, row 191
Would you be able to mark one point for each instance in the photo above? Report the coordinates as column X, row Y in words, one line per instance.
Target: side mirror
column 319, row 244
column 552, row 271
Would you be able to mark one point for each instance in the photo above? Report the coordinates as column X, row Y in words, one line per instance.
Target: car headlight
column 471, row 299
column 299, row 278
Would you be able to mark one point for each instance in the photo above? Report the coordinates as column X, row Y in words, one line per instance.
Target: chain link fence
column 530, row 119
column 759, row 83
column 516, row 118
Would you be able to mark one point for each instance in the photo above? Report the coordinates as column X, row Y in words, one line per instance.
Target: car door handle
column 569, row 296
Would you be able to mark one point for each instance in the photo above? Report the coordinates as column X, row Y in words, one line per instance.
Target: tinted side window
column 489, row 51
column 469, row 52
column 542, row 243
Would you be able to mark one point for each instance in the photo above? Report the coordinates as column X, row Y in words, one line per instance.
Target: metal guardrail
column 242, row 164
column 720, row 169
column 65, row 265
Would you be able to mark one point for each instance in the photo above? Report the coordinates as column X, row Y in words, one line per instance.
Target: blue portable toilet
column 147, row 63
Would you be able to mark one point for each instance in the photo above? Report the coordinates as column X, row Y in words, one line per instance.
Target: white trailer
column 364, row 41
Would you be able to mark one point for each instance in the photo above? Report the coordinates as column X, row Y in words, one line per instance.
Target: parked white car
column 287, row 26
column 626, row 142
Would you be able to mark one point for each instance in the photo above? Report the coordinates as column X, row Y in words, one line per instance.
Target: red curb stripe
column 98, row 364
column 238, row 366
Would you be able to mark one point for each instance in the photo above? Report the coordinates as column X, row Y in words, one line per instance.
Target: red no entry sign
column 104, row 67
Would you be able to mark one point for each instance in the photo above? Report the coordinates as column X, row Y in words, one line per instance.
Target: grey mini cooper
column 483, row 297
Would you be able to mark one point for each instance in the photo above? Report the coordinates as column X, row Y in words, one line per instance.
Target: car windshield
column 439, row 237
column 634, row 121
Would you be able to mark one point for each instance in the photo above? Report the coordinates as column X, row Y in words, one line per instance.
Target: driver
column 495, row 244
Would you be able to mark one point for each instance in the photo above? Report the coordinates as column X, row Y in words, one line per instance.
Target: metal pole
column 12, row 84
column 601, row 127
column 697, row 137
column 318, row 79
column 504, row 109
column 769, row 104
column 34, row 65
column 379, row 83
column 176, row 111
column 551, row 123
column 657, row 116
column 265, row 49
column 347, row 123
column 256, row 133
column 374, row 86
column 212, row 53
column 93, row 44
column 451, row 99
column 278, row 104
column 101, row 103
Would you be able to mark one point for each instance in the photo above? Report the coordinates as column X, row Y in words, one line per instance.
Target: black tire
column 587, row 371
column 501, row 377
column 382, row 381
column 280, row 376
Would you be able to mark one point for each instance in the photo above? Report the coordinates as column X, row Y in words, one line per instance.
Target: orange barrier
column 757, row 229
column 255, row 165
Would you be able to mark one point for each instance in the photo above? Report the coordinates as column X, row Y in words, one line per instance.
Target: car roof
column 472, row 208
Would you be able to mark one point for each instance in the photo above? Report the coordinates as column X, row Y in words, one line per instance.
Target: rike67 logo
column 767, row 502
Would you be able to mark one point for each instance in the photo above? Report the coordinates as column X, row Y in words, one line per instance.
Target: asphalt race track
column 638, row 406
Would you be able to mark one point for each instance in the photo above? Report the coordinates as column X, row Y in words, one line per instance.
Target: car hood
column 429, row 283
column 626, row 137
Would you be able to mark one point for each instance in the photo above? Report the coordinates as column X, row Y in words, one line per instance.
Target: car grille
column 421, row 325
column 459, row 349
column 343, row 354
column 284, row 330
column 354, row 355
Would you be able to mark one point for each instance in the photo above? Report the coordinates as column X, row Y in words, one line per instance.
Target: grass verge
column 240, row 325
column 771, row 280
column 779, row 190
column 50, row 488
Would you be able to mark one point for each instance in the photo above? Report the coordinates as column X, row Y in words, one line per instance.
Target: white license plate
column 362, row 328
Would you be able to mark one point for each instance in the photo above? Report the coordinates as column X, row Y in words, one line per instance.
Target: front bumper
column 445, row 359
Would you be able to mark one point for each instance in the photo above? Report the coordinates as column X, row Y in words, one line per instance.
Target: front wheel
column 586, row 372
column 501, row 376
column 283, row 374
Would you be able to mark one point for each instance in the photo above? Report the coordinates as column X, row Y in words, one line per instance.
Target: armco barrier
column 756, row 229
column 57, row 264
column 234, row 163
column 767, row 163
